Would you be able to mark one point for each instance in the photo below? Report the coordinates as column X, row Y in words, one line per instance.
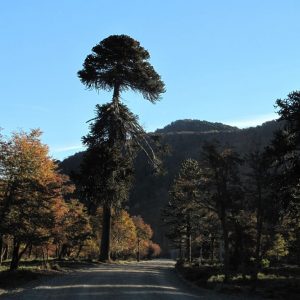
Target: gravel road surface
column 155, row 279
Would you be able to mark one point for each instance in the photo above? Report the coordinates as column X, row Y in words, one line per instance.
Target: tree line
column 40, row 216
column 242, row 210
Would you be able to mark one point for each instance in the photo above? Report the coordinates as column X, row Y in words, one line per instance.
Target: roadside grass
column 28, row 271
column 14, row 279
column 275, row 283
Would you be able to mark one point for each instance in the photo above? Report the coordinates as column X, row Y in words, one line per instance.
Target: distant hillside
column 185, row 138
column 194, row 126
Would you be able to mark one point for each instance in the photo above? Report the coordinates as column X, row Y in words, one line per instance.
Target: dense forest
column 184, row 139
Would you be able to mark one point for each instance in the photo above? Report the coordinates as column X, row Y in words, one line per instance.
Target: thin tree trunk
column 259, row 224
column 226, row 244
column 63, row 251
column 105, row 238
column 189, row 244
column 79, row 250
column 138, row 254
column 201, row 255
column 23, row 251
column 1, row 248
column 15, row 256
column 29, row 251
column 47, row 253
column 57, row 251
column 6, row 252
column 44, row 258
column 212, row 245
column 180, row 250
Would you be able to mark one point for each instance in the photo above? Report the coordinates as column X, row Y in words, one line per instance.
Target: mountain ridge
column 194, row 125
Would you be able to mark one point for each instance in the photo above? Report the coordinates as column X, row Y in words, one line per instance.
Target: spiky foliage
column 119, row 63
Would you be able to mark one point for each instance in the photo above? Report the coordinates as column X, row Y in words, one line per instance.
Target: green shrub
column 265, row 263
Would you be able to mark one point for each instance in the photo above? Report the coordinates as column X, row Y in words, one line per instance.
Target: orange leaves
column 144, row 231
column 32, row 208
column 26, row 158
column 130, row 233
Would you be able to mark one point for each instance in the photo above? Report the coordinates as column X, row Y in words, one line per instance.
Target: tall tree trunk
column 1, row 248
column 63, row 251
column 212, row 250
column 180, row 250
column 259, row 224
column 226, row 244
column 105, row 238
column 29, row 251
column 258, row 247
column 15, row 255
column 138, row 254
column 189, row 243
column 116, row 94
column 44, row 258
column 57, row 251
column 79, row 250
column 201, row 255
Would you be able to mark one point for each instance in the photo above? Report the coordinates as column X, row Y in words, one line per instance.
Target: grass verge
column 272, row 283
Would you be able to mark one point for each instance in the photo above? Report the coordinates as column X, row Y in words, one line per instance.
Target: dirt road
column 135, row 281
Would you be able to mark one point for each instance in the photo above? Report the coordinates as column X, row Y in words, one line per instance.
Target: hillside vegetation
column 184, row 139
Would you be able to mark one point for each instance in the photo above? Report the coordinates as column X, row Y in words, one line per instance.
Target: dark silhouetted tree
column 221, row 189
column 182, row 211
column 118, row 63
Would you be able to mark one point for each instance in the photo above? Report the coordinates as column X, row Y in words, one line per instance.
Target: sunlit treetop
column 119, row 63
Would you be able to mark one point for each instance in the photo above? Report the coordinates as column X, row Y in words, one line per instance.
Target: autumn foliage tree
column 144, row 234
column 33, row 208
column 29, row 189
column 72, row 229
column 124, row 235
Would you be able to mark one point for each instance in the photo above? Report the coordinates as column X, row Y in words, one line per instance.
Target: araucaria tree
column 118, row 63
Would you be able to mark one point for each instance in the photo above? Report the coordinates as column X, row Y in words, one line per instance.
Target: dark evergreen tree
column 221, row 189
column 182, row 211
column 117, row 63
column 259, row 199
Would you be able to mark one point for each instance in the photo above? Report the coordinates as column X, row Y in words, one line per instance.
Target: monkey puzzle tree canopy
column 119, row 63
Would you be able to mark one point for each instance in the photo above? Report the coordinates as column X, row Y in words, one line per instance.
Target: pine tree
column 182, row 212
column 221, row 189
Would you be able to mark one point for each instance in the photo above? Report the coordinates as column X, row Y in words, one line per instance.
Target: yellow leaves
column 144, row 231
column 126, row 232
column 123, row 233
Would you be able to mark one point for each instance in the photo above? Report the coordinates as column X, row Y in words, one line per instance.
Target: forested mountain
column 188, row 125
column 185, row 139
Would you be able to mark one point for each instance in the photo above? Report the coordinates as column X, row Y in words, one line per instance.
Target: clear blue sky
column 225, row 61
